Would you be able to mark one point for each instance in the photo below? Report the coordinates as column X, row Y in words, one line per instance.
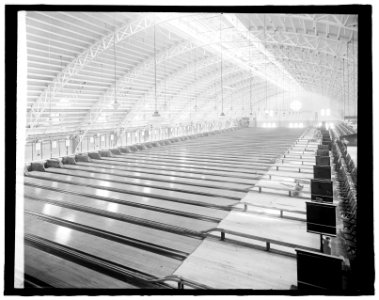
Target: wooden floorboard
column 124, row 255
column 144, row 214
column 207, row 181
column 62, row 273
column 162, row 238
column 150, row 183
column 132, row 189
column 181, row 172
column 222, row 265
column 276, row 202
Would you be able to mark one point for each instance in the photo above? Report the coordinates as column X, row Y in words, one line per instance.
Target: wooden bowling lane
column 227, row 169
column 202, row 212
column 220, row 151
column 223, row 265
column 117, row 254
column 202, row 181
column 124, row 212
column 183, row 162
column 240, row 137
column 178, row 171
column 202, row 158
column 158, row 241
column 175, row 241
column 149, row 183
column 248, row 174
column 189, row 198
column 240, row 157
column 58, row 272
column 231, row 148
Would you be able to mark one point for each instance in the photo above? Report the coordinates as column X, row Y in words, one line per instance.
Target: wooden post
column 180, row 285
column 321, row 246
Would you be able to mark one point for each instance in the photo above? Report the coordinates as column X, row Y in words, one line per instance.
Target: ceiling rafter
column 83, row 59
column 305, row 46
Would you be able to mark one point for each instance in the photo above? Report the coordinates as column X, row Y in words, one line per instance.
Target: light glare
column 296, row 105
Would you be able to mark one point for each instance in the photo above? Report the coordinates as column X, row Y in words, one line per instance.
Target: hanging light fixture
column 283, row 110
column 115, row 103
column 354, row 77
column 222, row 88
column 264, row 21
column 156, row 113
column 251, row 75
column 195, row 80
column 343, row 85
column 50, row 117
column 348, row 79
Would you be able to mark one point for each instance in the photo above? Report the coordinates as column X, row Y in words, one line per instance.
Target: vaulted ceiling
column 97, row 70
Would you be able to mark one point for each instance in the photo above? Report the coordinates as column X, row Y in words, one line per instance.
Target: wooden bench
column 290, row 191
column 280, row 209
column 300, row 170
column 268, row 241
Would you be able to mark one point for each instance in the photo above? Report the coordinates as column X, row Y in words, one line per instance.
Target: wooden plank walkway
column 223, row 265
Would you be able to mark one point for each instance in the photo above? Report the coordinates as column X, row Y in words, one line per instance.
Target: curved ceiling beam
column 208, row 82
column 181, row 73
column 253, row 40
column 89, row 55
column 208, row 97
column 321, row 20
column 136, row 72
column 239, row 57
column 305, row 41
column 204, row 114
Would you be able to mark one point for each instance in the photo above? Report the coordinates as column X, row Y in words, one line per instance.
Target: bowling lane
column 109, row 202
column 113, row 252
column 185, row 162
column 252, row 174
column 233, row 148
column 150, row 236
column 149, row 183
column 242, row 157
column 202, row 181
column 239, row 153
column 62, row 273
column 148, row 162
column 134, row 190
column 107, row 168
column 189, row 157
